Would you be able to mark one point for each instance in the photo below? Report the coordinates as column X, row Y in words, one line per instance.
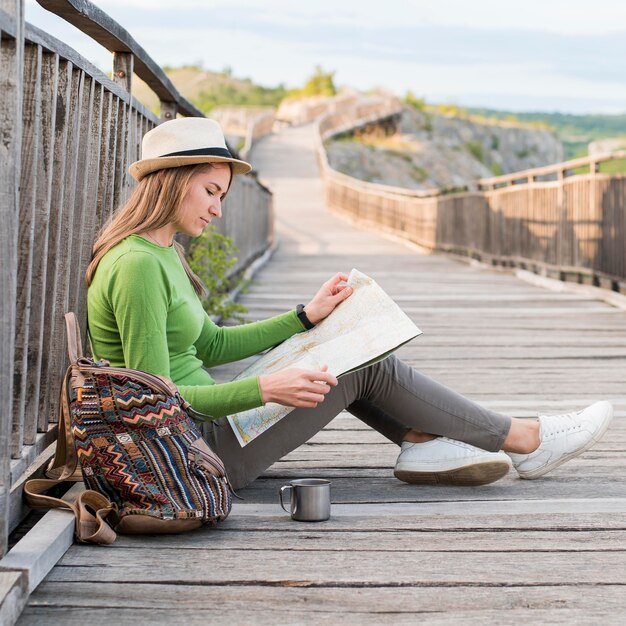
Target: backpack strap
column 64, row 465
column 90, row 509
column 74, row 343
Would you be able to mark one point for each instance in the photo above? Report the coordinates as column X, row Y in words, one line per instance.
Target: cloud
column 458, row 53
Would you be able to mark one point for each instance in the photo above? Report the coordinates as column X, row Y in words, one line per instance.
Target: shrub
column 419, row 104
column 475, row 148
column 496, row 169
column 211, row 257
column 320, row 83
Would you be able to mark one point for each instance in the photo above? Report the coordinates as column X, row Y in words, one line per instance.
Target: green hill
column 209, row 89
column 575, row 131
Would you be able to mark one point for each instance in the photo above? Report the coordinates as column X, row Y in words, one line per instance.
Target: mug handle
column 282, row 504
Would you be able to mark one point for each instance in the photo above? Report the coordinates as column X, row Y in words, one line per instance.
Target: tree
column 321, row 83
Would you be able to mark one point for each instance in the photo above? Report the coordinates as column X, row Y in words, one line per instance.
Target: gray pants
column 390, row 396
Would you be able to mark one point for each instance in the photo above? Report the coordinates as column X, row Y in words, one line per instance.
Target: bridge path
column 550, row 551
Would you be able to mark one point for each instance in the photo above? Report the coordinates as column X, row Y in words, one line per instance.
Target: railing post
column 123, row 64
column 560, row 207
column 168, row 111
column 595, row 215
column 530, row 216
column 11, row 70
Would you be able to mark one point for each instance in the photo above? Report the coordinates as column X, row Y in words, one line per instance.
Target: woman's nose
column 216, row 208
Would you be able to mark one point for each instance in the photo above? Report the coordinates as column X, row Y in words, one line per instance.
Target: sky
column 536, row 55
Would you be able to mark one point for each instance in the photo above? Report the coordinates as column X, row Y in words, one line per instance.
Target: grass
column 475, row 148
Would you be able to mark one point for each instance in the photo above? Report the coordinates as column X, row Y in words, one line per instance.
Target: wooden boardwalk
column 545, row 551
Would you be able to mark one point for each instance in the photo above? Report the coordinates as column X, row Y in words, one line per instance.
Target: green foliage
column 419, row 104
column 495, row 142
column 211, row 257
column 617, row 166
column 575, row 131
column 320, row 83
column 451, row 110
column 410, row 99
column 496, row 169
column 232, row 93
column 475, row 148
column 419, row 173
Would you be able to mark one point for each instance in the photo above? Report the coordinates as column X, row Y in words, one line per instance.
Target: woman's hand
column 331, row 293
column 295, row 387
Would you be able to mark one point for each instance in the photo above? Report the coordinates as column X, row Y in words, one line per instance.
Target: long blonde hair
column 154, row 203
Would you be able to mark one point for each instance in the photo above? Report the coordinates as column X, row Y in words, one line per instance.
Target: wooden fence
column 567, row 220
column 67, row 136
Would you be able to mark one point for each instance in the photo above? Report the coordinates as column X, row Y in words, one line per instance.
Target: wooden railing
column 68, row 134
column 250, row 123
column 307, row 110
column 567, row 220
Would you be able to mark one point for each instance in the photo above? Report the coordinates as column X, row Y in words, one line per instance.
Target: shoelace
column 555, row 424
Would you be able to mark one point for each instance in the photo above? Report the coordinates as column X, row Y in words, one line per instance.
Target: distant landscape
column 574, row 131
column 207, row 89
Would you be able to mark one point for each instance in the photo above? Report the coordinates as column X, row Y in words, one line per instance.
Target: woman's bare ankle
column 417, row 436
column 523, row 437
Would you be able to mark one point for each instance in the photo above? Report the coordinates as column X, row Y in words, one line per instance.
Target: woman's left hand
column 331, row 293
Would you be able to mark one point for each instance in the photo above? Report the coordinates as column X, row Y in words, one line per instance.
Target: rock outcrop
column 437, row 151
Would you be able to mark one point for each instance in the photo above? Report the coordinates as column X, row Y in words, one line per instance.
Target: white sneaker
column 562, row 437
column 448, row 462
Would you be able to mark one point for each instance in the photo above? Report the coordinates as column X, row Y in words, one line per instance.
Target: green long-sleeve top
column 144, row 314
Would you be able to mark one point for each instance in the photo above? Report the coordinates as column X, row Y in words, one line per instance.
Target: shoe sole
column 468, row 476
column 532, row 474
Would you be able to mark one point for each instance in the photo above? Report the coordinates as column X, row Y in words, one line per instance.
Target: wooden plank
column 275, row 519
column 57, row 355
column 58, row 207
column 83, row 122
column 365, row 615
column 39, row 276
column 13, row 596
column 11, row 67
column 29, row 159
column 261, row 604
column 311, row 539
column 106, row 149
column 354, row 568
column 117, row 121
column 352, row 486
column 89, row 200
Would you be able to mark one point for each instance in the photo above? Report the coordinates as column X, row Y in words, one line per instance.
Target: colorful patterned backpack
column 143, row 460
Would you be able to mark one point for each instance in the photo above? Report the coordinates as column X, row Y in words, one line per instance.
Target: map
column 362, row 330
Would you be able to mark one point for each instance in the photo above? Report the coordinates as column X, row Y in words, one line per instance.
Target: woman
column 145, row 313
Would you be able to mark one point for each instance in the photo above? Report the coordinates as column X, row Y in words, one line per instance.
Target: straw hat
column 184, row 141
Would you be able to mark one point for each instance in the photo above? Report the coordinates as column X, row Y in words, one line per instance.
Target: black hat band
column 219, row 152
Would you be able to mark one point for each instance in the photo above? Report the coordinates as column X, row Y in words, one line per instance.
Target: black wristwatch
column 306, row 322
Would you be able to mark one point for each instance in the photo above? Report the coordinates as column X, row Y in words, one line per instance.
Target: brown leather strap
column 74, row 343
column 64, row 465
column 91, row 510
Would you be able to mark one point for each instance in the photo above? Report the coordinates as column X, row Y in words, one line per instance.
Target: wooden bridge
column 546, row 551
column 551, row 550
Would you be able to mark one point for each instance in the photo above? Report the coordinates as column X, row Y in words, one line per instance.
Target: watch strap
column 306, row 322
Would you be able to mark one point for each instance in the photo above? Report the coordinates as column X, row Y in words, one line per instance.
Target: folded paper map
column 362, row 330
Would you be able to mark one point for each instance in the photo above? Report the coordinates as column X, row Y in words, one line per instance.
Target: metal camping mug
column 310, row 499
